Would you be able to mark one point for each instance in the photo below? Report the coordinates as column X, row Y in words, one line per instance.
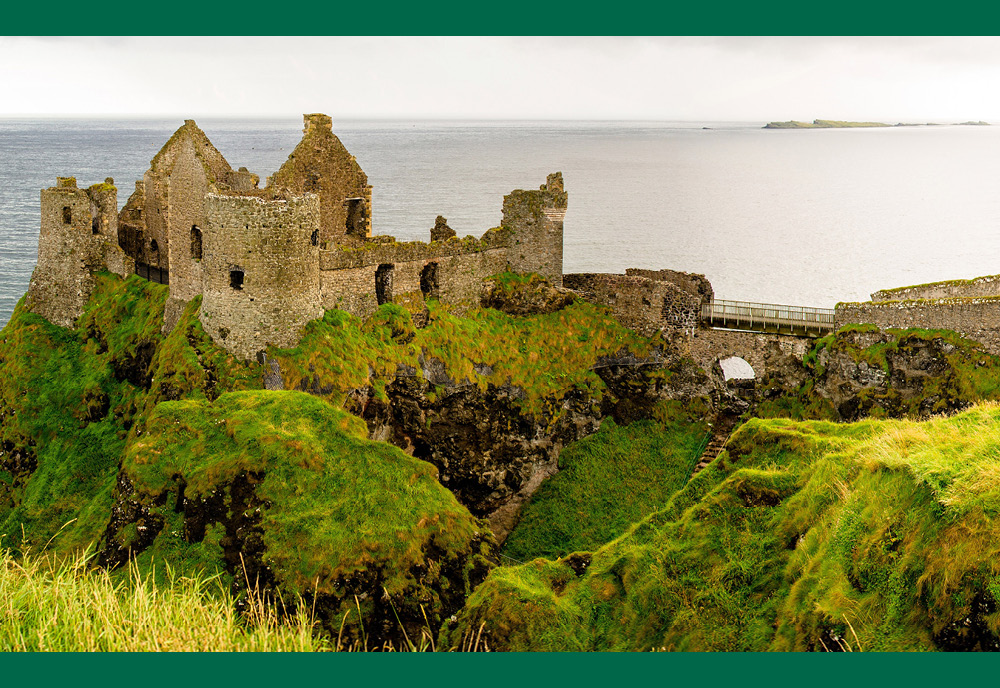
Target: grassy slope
column 546, row 355
column 340, row 503
column 54, row 387
column 71, row 396
column 879, row 534
column 607, row 482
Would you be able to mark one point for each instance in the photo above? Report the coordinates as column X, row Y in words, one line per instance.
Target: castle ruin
column 268, row 260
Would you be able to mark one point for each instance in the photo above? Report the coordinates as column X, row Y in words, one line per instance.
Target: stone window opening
column 429, row 281
column 67, row 215
column 195, row 242
column 236, row 278
column 95, row 226
column 314, row 239
column 153, row 246
column 383, row 283
column 355, row 222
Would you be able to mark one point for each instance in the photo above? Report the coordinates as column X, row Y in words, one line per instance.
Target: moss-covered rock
column 861, row 371
column 292, row 494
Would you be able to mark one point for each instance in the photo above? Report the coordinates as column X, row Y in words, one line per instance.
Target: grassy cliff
column 877, row 535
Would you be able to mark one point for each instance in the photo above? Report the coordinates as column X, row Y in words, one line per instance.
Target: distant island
column 840, row 124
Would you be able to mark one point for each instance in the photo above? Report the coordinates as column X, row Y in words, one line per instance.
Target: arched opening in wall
column 67, row 215
column 153, row 246
column 236, row 278
column 735, row 368
column 356, row 223
column 195, row 242
column 383, row 283
column 314, row 239
column 95, row 226
column 429, row 281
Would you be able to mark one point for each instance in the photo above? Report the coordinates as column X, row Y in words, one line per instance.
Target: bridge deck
column 768, row 317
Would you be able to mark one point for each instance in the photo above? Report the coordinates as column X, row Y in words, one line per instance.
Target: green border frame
column 513, row 17
column 723, row 17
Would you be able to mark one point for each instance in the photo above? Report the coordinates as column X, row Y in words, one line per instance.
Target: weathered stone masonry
column 267, row 261
column 77, row 239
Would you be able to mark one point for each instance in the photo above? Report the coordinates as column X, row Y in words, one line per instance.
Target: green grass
column 67, row 606
column 545, row 355
column 62, row 403
column 881, row 535
column 336, row 506
column 607, row 482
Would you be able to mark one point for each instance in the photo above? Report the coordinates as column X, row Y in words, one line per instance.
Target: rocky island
column 840, row 124
column 453, row 445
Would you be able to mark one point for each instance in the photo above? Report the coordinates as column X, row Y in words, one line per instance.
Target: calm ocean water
column 795, row 217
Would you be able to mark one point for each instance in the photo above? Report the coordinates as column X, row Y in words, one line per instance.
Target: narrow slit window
column 195, row 242
column 236, row 279
column 67, row 215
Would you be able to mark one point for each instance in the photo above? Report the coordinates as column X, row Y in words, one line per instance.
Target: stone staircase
column 724, row 426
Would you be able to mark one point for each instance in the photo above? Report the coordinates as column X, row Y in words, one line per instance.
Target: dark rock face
column 491, row 454
column 871, row 372
column 442, row 579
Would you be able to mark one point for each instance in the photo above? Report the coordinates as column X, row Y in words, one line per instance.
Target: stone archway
column 736, row 368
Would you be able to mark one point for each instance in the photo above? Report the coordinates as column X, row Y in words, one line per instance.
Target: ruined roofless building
column 267, row 261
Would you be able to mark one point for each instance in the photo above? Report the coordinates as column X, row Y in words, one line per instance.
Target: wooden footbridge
column 768, row 317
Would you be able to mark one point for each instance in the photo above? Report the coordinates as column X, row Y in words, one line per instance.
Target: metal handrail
column 766, row 311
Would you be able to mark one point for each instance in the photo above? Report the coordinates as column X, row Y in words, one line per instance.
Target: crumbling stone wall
column 764, row 352
column 975, row 318
column 457, row 277
column 965, row 288
column 645, row 300
column 535, row 220
column 320, row 164
column 78, row 237
column 260, row 271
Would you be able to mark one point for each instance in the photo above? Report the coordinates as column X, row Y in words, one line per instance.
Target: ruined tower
column 535, row 220
column 78, row 237
column 320, row 164
column 260, row 270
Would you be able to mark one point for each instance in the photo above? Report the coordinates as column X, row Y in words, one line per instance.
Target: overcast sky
column 720, row 79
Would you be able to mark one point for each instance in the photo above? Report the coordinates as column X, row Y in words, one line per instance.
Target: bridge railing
column 768, row 317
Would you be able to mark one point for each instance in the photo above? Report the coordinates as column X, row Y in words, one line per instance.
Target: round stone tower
column 260, row 271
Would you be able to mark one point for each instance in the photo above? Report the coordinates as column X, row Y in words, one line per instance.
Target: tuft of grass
column 65, row 605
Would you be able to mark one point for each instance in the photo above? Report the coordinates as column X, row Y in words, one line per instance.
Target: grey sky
column 742, row 78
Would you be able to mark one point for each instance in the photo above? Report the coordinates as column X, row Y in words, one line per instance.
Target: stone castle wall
column 260, row 268
column 761, row 351
column 450, row 278
column 975, row 318
column 973, row 288
column 321, row 164
column 535, row 219
column 77, row 238
column 186, row 189
column 644, row 303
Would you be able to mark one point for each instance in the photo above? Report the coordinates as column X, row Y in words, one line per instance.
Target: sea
column 798, row 217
